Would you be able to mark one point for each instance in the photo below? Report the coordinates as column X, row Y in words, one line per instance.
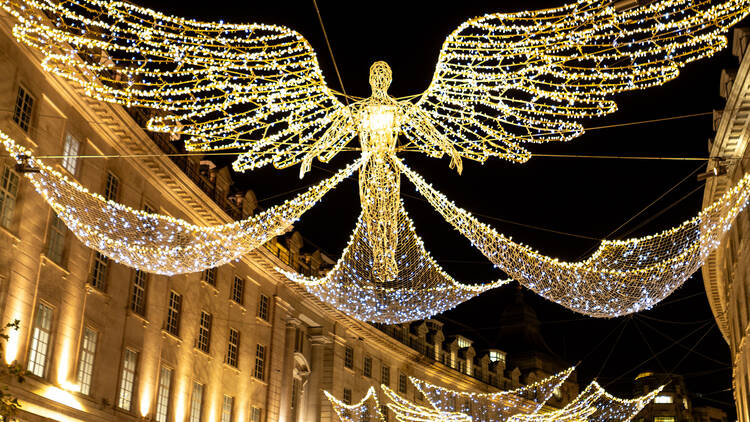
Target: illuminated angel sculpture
column 501, row 81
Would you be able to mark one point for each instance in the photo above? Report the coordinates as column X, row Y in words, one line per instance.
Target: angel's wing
column 255, row 87
column 505, row 79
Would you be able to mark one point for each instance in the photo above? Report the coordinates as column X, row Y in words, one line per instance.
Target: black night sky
column 589, row 197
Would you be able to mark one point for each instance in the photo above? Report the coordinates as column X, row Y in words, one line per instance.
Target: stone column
column 281, row 313
column 310, row 411
column 287, row 371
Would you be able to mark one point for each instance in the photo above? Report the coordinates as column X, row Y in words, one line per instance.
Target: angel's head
column 380, row 77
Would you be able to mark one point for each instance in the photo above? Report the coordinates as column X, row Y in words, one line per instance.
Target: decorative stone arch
column 300, row 375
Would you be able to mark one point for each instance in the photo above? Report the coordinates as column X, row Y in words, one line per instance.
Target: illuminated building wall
column 727, row 271
column 106, row 343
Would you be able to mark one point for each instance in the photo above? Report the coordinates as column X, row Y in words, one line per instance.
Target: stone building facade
column 673, row 404
column 104, row 342
column 726, row 273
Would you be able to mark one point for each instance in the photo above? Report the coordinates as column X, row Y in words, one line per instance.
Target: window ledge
column 94, row 290
column 136, row 315
column 263, row 321
column 233, row 369
column 46, row 260
column 11, row 235
column 204, row 283
column 239, row 305
column 259, row 381
column 167, row 334
column 202, row 353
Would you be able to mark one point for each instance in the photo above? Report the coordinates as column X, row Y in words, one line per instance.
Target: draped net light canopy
column 502, row 81
column 525, row 404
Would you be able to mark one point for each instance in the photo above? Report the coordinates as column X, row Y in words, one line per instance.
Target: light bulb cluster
column 508, row 78
column 159, row 243
column 622, row 276
column 488, row 407
column 420, row 289
column 593, row 404
column 253, row 87
column 365, row 410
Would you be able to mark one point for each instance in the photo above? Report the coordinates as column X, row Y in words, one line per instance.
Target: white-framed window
column 99, row 269
column 347, row 399
column 367, row 367
column 138, row 294
column 41, row 338
column 259, row 371
column 238, row 290
column 255, row 414
column 402, row 383
column 86, row 359
column 111, row 187
column 163, row 395
column 233, row 348
column 196, row 403
column 209, row 276
column 71, row 150
column 23, row 109
column 56, row 239
column 385, row 375
column 348, row 357
column 127, row 379
column 263, row 305
column 227, row 409
column 8, row 193
column 497, row 356
column 173, row 313
column 663, row 399
column 204, row 332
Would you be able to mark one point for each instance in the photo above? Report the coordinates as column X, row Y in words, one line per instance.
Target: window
column 40, row 340
column 111, row 187
column 138, row 295
column 463, row 342
column 238, row 290
column 296, row 387
column 299, row 339
column 260, row 362
column 209, row 276
column 497, row 356
column 384, row 412
column 161, row 413
column 173, row 313
column 401, row 383
column 227, row 408
column 22, row 111
column 255, row 414
column 196, row 403
column 233, row 348
column 204, row 332
column 71, row 149
column 663, row 399
column 347, row 396
column 367, row 367
column 263, row 307
column 348, row 357
column 8, row 192
column 664, row 419
column 86, row 360
column 56, row 239
column 98, row 277
column 385, row 376
column 127, row 380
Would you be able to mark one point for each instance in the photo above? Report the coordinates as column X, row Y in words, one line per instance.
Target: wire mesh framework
column 366, row 410
column 593, row 404
column 622, row 276
column 490, row 407
column 158, row 243
column 420, row 289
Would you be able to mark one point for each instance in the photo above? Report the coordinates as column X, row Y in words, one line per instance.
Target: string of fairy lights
column 593, row 404
column 501, row 80
column 159, row 243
